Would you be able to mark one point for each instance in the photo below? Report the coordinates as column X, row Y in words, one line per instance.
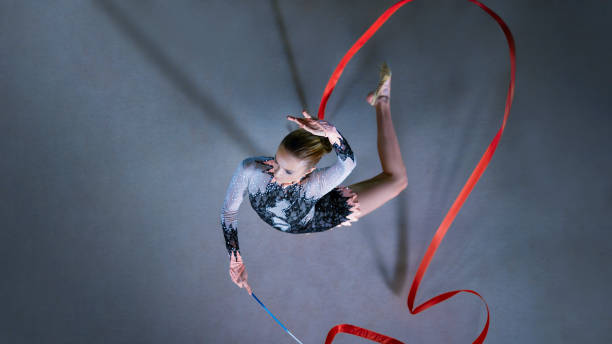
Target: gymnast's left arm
column 323, row 180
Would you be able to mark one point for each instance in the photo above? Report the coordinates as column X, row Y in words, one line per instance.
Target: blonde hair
column 306, row 146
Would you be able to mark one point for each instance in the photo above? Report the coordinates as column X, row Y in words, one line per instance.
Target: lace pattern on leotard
column 293, row 208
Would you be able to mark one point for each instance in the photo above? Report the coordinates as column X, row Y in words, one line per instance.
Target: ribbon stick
column 272, row 315
column 452, row 213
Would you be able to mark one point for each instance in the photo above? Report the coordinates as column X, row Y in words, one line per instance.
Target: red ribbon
column 465, row 192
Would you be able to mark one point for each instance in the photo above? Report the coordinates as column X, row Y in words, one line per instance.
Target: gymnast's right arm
column 231, row 204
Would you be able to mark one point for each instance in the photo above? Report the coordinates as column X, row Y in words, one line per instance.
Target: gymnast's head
column 298, row 154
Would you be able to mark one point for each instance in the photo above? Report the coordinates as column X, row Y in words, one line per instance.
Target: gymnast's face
column 288, row 168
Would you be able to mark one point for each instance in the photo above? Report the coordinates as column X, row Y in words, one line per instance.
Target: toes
column 369, row 97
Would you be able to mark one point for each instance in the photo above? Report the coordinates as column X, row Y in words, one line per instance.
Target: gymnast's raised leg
column 374, row 192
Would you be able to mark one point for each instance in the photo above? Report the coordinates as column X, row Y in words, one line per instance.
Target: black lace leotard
column 314, row 204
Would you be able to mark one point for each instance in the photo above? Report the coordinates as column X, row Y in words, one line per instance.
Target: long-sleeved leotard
column 313, row 204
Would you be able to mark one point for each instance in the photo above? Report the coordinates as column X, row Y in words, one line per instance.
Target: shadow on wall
column 395, row 277
column 211, row 109
column 297, row 82
column 367, row 61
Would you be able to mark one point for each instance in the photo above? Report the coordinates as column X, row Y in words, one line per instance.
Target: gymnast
column 289, row 193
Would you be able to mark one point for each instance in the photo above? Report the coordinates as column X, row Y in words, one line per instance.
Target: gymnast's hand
column 238, row 272
column 317, row 127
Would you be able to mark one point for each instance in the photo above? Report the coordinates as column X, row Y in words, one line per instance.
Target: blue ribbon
column 272, row 315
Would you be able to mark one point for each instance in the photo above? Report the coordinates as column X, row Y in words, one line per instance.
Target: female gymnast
column 293, row 196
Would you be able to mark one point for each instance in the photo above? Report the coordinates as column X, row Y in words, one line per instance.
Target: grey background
column 123, row 120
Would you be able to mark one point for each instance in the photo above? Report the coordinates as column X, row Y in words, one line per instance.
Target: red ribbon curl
column 463, row 195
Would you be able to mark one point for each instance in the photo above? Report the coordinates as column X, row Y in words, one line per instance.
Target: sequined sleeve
column 323, row 180
column 229, row 212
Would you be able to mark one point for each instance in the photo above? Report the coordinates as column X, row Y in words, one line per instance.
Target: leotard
column 316, row 203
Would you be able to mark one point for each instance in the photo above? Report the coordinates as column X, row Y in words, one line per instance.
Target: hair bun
column 306, row 146
column 326, row 144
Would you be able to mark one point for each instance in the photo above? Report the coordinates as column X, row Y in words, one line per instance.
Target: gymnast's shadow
column 395, row 277
column 211, row 109
column 297, row 82
column 364, row 61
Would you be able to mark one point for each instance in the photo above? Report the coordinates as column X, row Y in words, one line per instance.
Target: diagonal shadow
column 282, row 29
column 367, row 60
column 396, row 278
column 297, row 82
column 367, row 63
column 211, row 109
